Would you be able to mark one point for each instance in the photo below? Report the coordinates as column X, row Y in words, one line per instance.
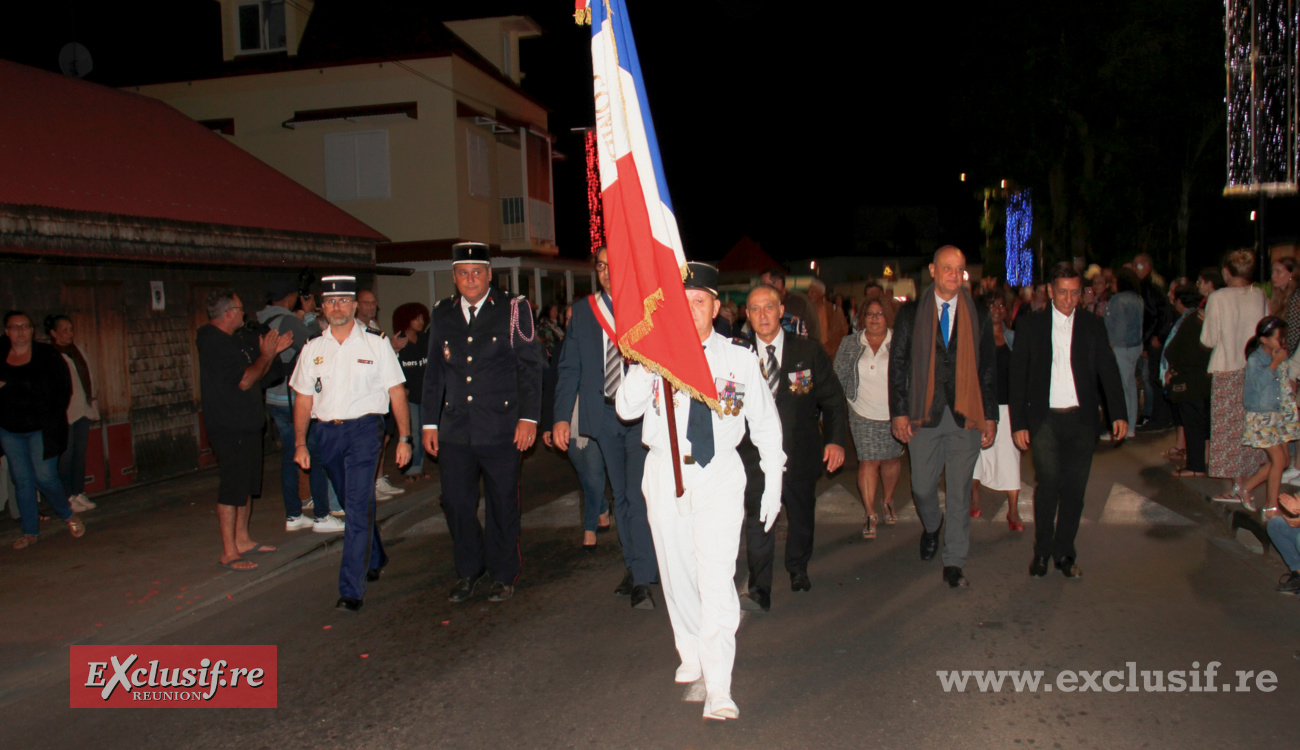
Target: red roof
column 70, row 144
column 746, row 255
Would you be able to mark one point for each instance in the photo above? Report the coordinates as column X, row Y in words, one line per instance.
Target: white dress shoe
column 720, row 707
column 687, row 673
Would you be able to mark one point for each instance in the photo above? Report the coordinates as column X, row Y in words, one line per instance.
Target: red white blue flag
column 646, row 261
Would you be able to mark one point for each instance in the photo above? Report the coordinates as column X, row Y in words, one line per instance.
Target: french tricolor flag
column 646, row 260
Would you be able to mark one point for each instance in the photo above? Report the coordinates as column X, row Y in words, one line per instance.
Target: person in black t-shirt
column 409, row 321
column 234, row 369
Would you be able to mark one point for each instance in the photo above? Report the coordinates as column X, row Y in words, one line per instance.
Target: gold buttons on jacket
column 469, row 359
column 469, row 339
column 469, row 398
column 469, row 378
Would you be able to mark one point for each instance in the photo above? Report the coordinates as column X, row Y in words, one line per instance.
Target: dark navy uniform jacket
column 480, row 382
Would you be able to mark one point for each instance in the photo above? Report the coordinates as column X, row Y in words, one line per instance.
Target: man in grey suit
column 943, row 402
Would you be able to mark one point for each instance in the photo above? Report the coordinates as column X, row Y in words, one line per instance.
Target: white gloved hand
column 768, row 509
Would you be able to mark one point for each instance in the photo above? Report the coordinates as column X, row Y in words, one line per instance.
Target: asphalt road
column 850, row 664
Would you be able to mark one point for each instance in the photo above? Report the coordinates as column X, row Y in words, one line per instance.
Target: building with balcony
column 414, row 123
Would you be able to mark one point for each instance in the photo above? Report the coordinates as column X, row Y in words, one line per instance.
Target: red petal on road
column 365, row 656
column 228, row 596
column 327, row 627
column 446, row 622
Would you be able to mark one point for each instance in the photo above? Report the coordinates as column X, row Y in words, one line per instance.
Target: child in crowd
column 1270, row 405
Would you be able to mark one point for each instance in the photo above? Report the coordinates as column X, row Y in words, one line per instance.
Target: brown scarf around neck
column 970, row 401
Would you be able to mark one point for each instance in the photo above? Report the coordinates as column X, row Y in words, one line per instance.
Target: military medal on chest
column 801, row 382
column 731, row 395
column 318, row 385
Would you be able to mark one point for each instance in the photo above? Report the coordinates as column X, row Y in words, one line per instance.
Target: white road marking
column 1126, row 507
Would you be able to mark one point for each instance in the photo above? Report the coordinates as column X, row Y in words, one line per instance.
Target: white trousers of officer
column 697, row 560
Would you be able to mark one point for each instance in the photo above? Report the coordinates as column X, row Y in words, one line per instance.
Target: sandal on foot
column 1236, row 495
column 890, row 518
column 247, row 565
column 869, row 528
column 1173, row 454
column 76, row 527
column 25, row 541
column 1184, row 473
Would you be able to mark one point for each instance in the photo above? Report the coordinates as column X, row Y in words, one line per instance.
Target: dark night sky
column 775, row 119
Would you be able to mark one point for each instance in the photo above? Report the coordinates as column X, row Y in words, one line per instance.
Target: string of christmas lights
column 1020, row 225
column 595, row 213
column 1261, row 54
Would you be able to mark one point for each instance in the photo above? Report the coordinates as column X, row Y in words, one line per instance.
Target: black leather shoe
column 799, row 582
column 373, row 575
column 625, row 588
column 501, row 592
column 953, row 576
column 464, row 589
column 1038, row 568
column 642, row 597
column 756, row 600
column 348, row 603
column 930, row 543
column 1068, row 568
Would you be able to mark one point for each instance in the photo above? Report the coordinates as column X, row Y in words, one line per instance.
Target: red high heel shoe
column 1015, row 525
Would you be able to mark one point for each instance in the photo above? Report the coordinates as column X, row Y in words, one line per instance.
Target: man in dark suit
column 590, row 372
column 800, row 377
column 482, row 400
column 1060, row 360
column 943, row 402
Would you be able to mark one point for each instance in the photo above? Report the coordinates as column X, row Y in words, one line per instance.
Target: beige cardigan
column 1231, row 314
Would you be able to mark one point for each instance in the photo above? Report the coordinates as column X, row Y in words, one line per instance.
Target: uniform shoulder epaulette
column 373, row 332
column 445, row 301
column 743, row 342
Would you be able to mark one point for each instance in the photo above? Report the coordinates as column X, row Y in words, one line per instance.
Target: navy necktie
column 943, row 324
column 699, row 430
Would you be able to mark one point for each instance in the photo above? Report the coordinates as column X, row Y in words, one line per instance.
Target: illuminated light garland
column 1261, row 56
column 1020, row 225
column 595, row 210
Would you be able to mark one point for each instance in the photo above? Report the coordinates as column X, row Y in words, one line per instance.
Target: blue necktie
column 699, row 430
column 943, row 324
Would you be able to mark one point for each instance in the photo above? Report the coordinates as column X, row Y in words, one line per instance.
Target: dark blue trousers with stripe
column 350, row 451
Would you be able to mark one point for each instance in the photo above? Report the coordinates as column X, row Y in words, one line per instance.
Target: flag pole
column 672, row 436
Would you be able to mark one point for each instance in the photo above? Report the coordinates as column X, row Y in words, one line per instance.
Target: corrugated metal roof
column 70, row 144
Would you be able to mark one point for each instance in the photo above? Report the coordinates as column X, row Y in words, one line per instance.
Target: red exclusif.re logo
column 172, row 677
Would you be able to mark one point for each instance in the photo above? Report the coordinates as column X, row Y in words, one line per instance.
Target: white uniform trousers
column 697, row 560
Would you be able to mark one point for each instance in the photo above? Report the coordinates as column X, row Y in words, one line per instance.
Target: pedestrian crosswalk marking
column 1124, row 507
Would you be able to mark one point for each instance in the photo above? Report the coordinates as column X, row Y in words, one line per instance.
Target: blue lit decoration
column 1020, row 224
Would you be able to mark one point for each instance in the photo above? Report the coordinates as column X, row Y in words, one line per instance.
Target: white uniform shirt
column 347, row 380
column 1061, row 394
column 642, row 394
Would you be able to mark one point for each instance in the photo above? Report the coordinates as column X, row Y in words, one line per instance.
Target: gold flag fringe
column 582, row 16
column 640, row 331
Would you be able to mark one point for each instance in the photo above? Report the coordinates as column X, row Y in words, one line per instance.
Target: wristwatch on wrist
column 405, row 439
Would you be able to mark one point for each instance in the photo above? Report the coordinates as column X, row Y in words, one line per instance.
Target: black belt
column 1064, row 410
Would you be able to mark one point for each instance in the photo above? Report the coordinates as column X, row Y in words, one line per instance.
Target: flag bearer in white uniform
column 697, row 535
